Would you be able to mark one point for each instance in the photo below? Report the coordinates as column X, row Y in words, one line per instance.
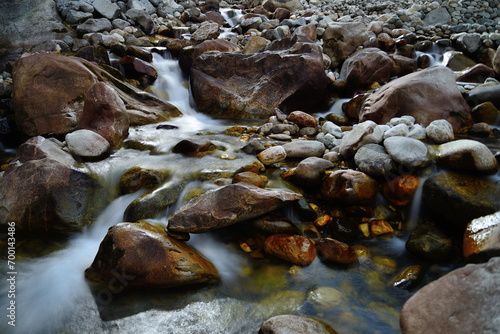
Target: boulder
column 468, row 156
column 341, row 39
column 145, row 256
column 142, row 18
column 349, row 187
column 137, row 178
column 366, row 67
column 484, row 93
column 291, row 5
column 43, row 191
column 138, row 69
column 189, row 54
column 107, row 8
column 194, row 147
column 294, row 324
column 302, row 119
column 206, row 31
column 226, row 206
column 478, row 74
column 94, row 25
column 409, row 152
column 87, row 144
column 421, row 95
column 295, row 249
column 482, row 238
column 236, row 85
column 455, row 199
column 104, row 113
column 463, row 301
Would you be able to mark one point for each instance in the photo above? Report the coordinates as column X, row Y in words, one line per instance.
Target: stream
column 52, row 295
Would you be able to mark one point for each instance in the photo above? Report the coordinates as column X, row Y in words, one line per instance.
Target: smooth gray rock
column 106, row 8
column 406, row 151
column 94, row 25
column 373, row 160
column 467, row 156
column 437, row 16
column 272, row 155
column 87, row 144
column 304, row 149
column 309, row 171
column 440, row 131
column 363, row 133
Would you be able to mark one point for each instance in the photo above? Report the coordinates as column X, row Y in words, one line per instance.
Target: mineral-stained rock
column 467, row 156
column 482, row 238
column 349, row 187
column 228, row 205
column 454, row 199
column 400, row 190
column 144, row 256
column 421, row 95
column 137, row 178
column 463, row 301
column 295, row 249
column 334, row 251
column 236, row 85
column 43, row 191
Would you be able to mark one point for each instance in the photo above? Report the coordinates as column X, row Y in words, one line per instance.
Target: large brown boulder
column 189, row 54
column 50, row 89
column 104, row 112
column 463, row 301
column 426, row 95
column 226, row 206
column 42, row 190
column 236, row 85
column 145, row 256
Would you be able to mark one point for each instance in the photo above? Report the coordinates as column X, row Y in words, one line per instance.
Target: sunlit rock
column 482, row 238
column 400, row 190
column 228, row 205
column 295, row 249
column 144, row 256
column 467, row 156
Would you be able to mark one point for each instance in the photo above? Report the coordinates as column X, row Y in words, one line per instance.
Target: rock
column 75, row 17
column 478, row 73
column 408, row 152
column 255, row 44
column 349, row 187
column 94, row 25
column 226, row 206
column 361, row 134
column 87, row 144
column 480, row 129
column 440, row 131
column 347, row 228
column 341, row 39
column 325, row 298
column 397, row 130
column 95, row 53
column 106, row 8
column 251, row 178
column 486, row 93
column 30, row 22
column 206, row 31
column 295, row 249
column 43, row 191
column 373, row 160
column 380, row 228
column 457, row 61
column 310, row 171
column 104, row 113
column 400, row 190
column 482, row 238
column 194, row 147
column 467, row 155
column 146, row 257
column 294, row 324
column 468, row 42
column 403, row 96
column 463, row 301
column 272, row 155
column 455, row 199
column 136, row 68
column 291, row 5
column 496, row 61
column 142, row 18
column 236, row 85
column 155, row 202
column 438, row 16
column 335, row 252
column 408, row 278
column 365, row 67
column 189, row 54
column 302, row 119
column 304, row 149
column 137, row 178
column 274, row 223
column 428, row 242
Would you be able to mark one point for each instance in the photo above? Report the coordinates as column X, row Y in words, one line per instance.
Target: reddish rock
column 302, row 118
column 482, row 238
column 188, row 55
column 421, row 95
column 104, row 112
column 350, row 187
column 145, row 256
column 249, row 177
column 295, row 249
column 136, row 68
column 334, row 251
column 400, row 190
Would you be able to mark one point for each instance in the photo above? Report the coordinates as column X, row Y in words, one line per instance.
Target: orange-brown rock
column 142, row 255
column 334, row 251
column 295, row 249
column 302, row 118
column 400, row 190
column 249, row 177
column 381, row 228
column 482, row 238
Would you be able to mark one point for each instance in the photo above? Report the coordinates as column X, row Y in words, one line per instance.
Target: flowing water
column 52, row 295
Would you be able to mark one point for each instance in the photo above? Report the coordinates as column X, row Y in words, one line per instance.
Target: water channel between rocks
column 54, row 297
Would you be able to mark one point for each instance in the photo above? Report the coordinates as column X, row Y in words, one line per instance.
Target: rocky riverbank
column 362, row 109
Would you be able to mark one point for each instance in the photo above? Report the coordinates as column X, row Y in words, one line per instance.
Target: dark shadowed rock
column 235, row 85
column 428, row 242
column 137, row 178
column 335, row 252
column 226, row 206
column 455, row 199
column 426, row 95
column 463, row 301
column 43, row 191
column 145, row 256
